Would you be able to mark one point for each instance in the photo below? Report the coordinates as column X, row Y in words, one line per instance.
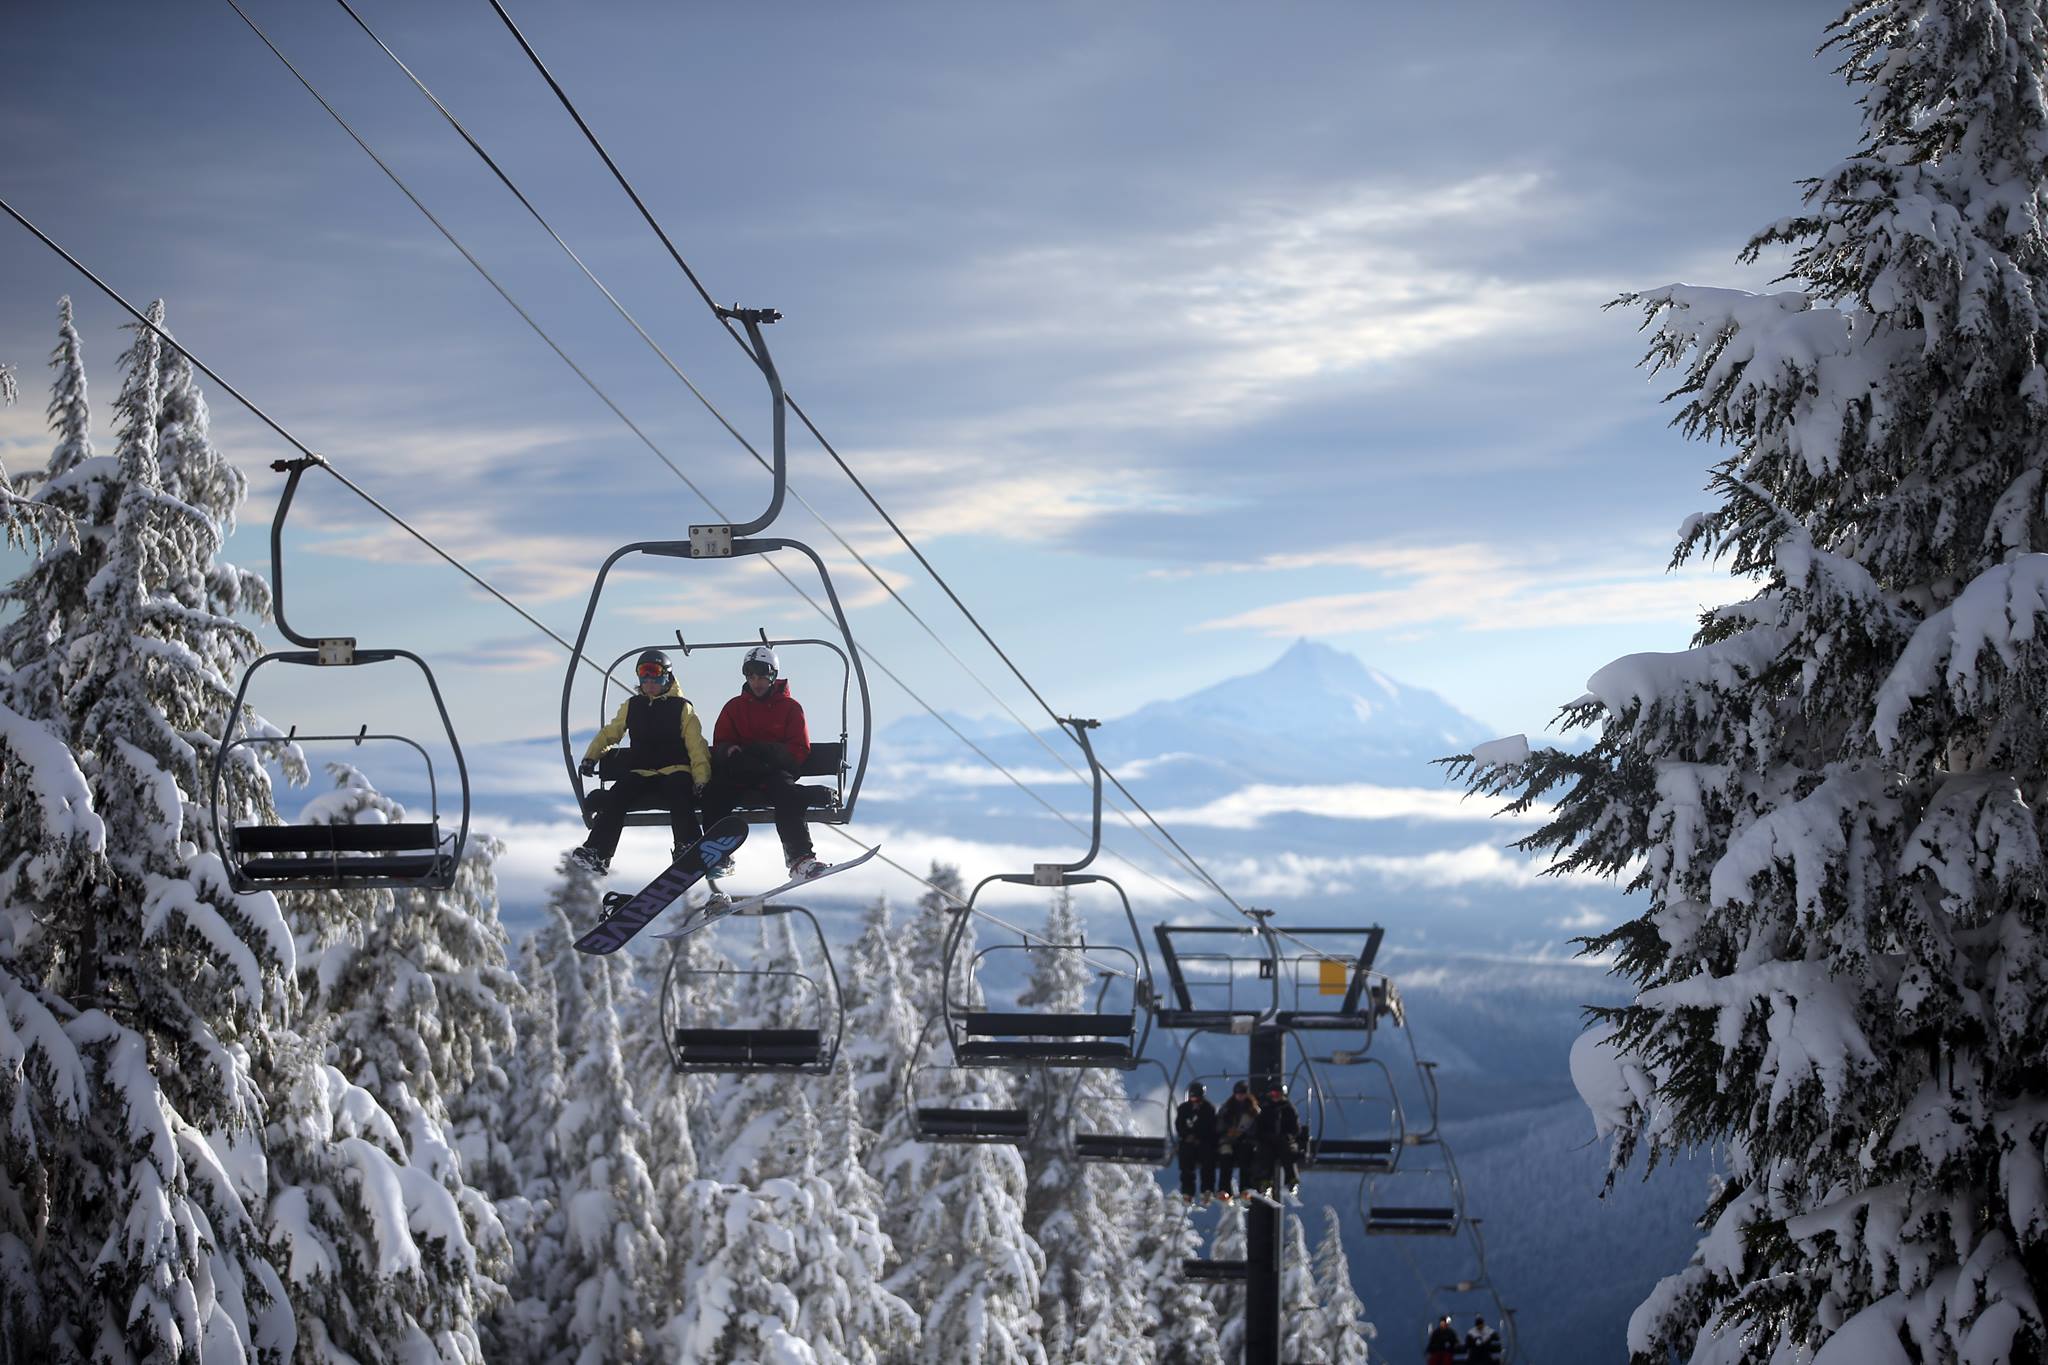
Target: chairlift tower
column 1265, row 1018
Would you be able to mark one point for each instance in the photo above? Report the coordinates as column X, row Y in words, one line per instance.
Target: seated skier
column 758, row 744
column 1277, row 1134
column 1482, row 1344
column 1443, row 1343
column 670, row 764
column 1194, row 1128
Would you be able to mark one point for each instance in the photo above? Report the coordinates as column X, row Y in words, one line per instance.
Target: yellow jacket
column 693, row 739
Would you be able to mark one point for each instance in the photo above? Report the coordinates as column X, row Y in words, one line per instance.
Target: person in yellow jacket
column 670, row 764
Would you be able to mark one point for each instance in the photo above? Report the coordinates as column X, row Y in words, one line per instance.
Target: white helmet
column 758, row 656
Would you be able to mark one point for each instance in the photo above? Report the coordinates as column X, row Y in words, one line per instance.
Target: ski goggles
column 651, row 672
column 757, row 670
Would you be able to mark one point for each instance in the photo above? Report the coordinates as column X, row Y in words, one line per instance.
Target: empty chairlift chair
column 401, row 855
column 1151, row 1146
column 1357, row 1126
column 809, row 1019
column 943, row 1109
column 1030, row 1038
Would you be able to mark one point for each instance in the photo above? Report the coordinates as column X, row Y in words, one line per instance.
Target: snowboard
column 748, row 904
column 626, row 915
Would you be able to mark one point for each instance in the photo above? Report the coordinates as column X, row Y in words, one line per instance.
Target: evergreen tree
column 528, row 1200
column 145, row 991
column 1304, row 1332
column 1830, row 803
column 1346, row 1333
column 1229, row 1245
column 980, row 1268
column 744, row 1255
column 1181, row 1320
column 876, row 1325
column 1079, row 1212
column 30, row 524
column 882, row 1023
column 611, row 1257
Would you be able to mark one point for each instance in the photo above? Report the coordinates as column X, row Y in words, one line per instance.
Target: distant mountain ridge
column 1313, row 714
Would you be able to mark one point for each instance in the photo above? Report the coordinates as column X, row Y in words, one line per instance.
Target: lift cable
column 300, row 446
column 710, row 407
column 660, row 454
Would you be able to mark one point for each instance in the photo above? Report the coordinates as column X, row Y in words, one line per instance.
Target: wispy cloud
column 1253, row 805
column 1471, row 586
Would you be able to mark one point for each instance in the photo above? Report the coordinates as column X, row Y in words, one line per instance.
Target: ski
column 626, row 915
column 746, row 905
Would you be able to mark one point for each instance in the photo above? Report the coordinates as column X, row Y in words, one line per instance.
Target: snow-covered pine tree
column 882, row 1024
column 744, row 1253
column 1180, row 1320
column 149, row 987
column 28, row 523
column 925, row 943
column 877, row 1325
column 1346, row 1333
column 979, row 1269
column 408, row 995
column 1078, row 1212
column 1229, row 1244
column 1830, row 803
column 612, row 1254
column 528, row 1199
column 1304, row 1331
column 956, row 1212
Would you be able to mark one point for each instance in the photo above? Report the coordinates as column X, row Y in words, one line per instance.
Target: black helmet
column 653, row 664
column 1195, row 1090
column 1277, row 1088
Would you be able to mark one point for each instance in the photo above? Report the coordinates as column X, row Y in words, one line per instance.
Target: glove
column 588, row 767
column 729, row 752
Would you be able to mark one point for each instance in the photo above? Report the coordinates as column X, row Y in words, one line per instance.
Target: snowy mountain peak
column 1311, row 709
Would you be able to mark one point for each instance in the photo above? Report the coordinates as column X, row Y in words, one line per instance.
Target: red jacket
column 773, row 719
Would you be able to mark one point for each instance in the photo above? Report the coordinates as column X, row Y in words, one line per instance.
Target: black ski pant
column 675, row 791
column 726, row 793
column 1197, row 1163
column 1234, row 1165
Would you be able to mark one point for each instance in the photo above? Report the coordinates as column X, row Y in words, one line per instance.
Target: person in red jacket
column 757, row 747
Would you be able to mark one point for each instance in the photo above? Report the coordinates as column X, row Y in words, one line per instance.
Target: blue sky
column 1170, row 332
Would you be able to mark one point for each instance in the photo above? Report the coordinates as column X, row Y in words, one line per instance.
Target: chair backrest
column 824, row 760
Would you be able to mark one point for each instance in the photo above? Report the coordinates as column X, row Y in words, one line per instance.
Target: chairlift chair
column 807, row 1041
column 1400, row 1204
column 732, row 541
column 936, row 1122
column 1030, row 1038
column 405, row 855
column 1153, row 1146
column 1352, row 1129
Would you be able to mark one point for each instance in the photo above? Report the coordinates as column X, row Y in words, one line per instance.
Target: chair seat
column 749, row 1049
column 1123, row 1147
column 981, row 1124
column 1429, row 1222
column 1072, row 1051
column 1215, row 1272
column 1353, row 1154
column 404, row 867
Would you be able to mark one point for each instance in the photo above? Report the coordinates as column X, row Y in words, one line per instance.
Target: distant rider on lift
column 671, row 763
column 759, row 745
